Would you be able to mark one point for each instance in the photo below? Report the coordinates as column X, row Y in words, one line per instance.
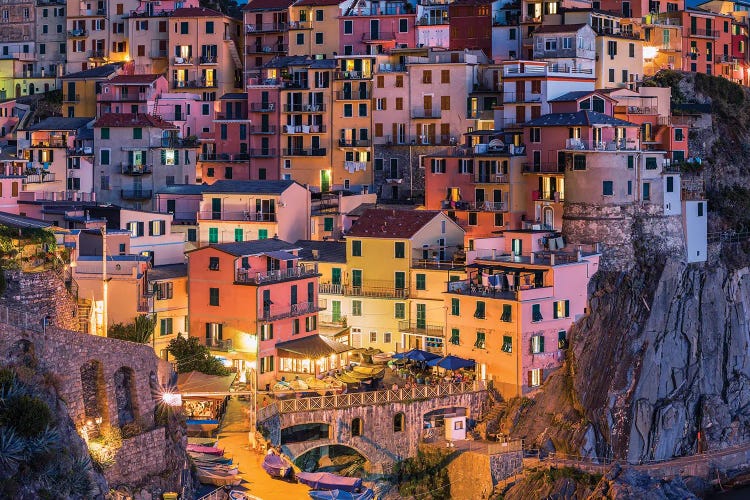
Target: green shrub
column 7, row 376
column 28, row 415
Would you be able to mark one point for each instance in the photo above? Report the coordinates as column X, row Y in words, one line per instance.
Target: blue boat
column 368, row 494
column 276, row 466
column 328, row 481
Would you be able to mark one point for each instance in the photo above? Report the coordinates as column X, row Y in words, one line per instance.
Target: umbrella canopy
column 452, row 363
column 419, row 355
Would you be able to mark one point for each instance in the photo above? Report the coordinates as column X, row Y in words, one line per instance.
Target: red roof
column 132, row 120
column 135, row 79
column 268, row 5
column 554, row 28
column 317, row 3
column 391, row 223
column 196, row 12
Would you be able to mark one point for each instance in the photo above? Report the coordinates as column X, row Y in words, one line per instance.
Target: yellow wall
column 329, row 26
column 84, row 99
column 621, row 61
column 175, row 308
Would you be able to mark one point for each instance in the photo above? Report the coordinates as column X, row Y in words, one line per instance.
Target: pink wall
column 389, row 35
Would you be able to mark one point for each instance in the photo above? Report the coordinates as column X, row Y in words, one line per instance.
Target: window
column 328, row 224
column 646, row 190
column 631, row 161
column 318, row 38
column 579, row 162
column 311, row 323
column 399, row 249
column 165, row 326
column 607, row 188
column 550, row 44
column 319, row 15
column 421, row 282
column 670, row 184
column 479, row 311
column 104, row 156
column 631, row 50
column 611, row 75
column 399, row 103
column 266, row 364
column 136, row 229
column 630, row 188
column 507, row 343
column 624, row 76
column 348, row 27
column 373, row 337
column 213, row 234
column 157, row 228
column 507, row 313
column 398, row 422
column 356, row 427
column 213, row 263
column 438, row 165
column 356, row 248
column 262, row 234
column 348, row 110
column 455, row 307
column 213, row 296
column 562, row 339
column 473, row 218
column 137, row 133
column 455, row 336
column 561, row 309
column 192, row 234
column 403, row 25
column 700, row 209
column 612, row 48
column 427, row 76
column 535, row 134
column 209, row 26
column 356, row 308
column 399, row 310
column 387, row 337
column 164, row 291
column 480, row 343
column 104, row 132
column 537, row 344
column 362, row 109
column 536, row 313
column 399, row 81
column 679, row 135
column 445, row 103
column 295, row 326
column 266, row 331
column 300, row 38
column 445, row 76
column 535, row 377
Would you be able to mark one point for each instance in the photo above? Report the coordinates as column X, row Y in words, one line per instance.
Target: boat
column 238, row 495
column 220, row 469
column 202, row 441
column 206, row 458
column 367, row 494
column 329, row 481
column 203, row 425
column 217, row 478
column 276, row 466
column 208, row 450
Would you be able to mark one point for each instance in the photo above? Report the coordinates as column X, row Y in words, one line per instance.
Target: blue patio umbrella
column 420, row 355
column 452, row 363
column 399, row 355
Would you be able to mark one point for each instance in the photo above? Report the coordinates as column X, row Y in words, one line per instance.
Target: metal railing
column 542, row 168
column 265, row 49
column 384, row 290
column 703, row 32
column 135, row 194
column 304, row 108
column 237, row 215
column 219, row 344
column 21, row 319
column 355, row 143
column 265, row 27
column 262, row 153
column 370, row 398
column 586, row 145
column 491, row 178
column 71, row 97
column 352, row 75
column 421, row 328
column 488, row 206
column 127, row 169
column 223, row 157
column 303, row 129
column 39, row 178
column 423, row 114
column 208, row 60
column 259, row 130
column 353, row 95
column 263, row 107
column 303, row 152
column 258, row 278
column 274, row 313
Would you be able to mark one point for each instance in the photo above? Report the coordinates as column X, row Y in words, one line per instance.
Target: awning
column 314, row 346
column 197, row 382
column 279, row 255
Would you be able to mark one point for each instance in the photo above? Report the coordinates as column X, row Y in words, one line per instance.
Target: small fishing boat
column 203, row 425
column 367, row 494
column 329, row 481
column 238, row 495
column 220, row 469
column 208, row 450
column 217, row 478
column 210, row 459
column 202, row 441
column 276, row 466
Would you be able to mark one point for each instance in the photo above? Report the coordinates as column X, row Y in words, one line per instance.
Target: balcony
column 71, row 97
column 249, row 277
column 85, row 151
column 274, row 313
column 585, row 145
column 265, row 27
column 182, row 61
column 425, row 114
column 303, row 152
column 194, row 84
column 542, row 168
column 378, row 36
column 97, row 54
column 355, row 143
column 219, row 344
column 52, row 142
column 207, row 60
column 391, row 68
column 487, row 206
column 179, row 142
column 504, row 292
column 224, row 157
column 136, row 194
column 262, row 153
column 352, row 75
column 513, row 97
column 136, row 170
column 637, row 110
column 482, row 178
column 375, row 289
column 80, row 33
column 241, row 215
column 159, row 54
column 260, row 130
column 556, row 196
column 303, row 129
column 704, row 33
column 304, row 108
column 299, row 25
column 231, row 118
column 39, row 178
column 419, row 328
column 353, row 95
column 265, row 49
column 421, row 140
column 263, row 107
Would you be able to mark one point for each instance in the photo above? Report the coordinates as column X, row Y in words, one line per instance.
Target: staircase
column 155, row 111
column 84, row 315
column 234, row 53
column 489, row 422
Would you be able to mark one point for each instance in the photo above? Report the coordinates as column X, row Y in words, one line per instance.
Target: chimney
column 316, row 254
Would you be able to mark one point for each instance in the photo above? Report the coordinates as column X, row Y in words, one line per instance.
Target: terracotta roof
column 268, row 5
column 316, row 3
column 470, row 2
column 391, row 223
column 551, row 28
column 196, row 12
column 134, row 79
column 132, row 120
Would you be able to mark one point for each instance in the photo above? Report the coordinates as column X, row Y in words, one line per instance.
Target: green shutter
column 262, row 234
column 213, row 234
column 541, row 343
column 421, row 282
column 356, row 277
column 336, row 275
column 336, row 310
column 567, row 308
column 163, row 156
column 455, row 307
column 238, row 234
column 328, row 224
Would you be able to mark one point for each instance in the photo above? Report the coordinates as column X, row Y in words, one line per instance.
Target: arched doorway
column 126, row 397
column 31, row 89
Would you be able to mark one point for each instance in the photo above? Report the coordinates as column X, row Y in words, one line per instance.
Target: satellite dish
column 496, row 144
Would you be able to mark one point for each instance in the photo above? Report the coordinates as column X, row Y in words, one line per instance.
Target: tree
column 140, row 330
column 190, row 355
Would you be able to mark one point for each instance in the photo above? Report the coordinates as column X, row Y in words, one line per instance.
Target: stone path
column 233, row 437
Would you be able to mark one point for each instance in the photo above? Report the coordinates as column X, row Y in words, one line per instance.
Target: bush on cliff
column 424, row 476
column 140, row 330
column 190, row 355
column 28, row 415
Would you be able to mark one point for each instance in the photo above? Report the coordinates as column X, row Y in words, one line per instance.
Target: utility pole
column 104, row 279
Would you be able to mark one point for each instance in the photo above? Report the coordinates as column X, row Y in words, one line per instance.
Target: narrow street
column 233, row 437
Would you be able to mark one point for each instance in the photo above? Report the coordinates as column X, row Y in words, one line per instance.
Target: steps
column 234, row 53
column 84, row 315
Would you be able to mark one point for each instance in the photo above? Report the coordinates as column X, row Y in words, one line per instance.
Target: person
column 394, row 387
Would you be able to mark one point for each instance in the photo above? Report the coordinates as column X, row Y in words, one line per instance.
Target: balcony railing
column 556, row 196
column 80, row 33
column 136, row 170
column 260, row 130
column 194, row 84
column 265, row 27
column 262, row 153
column 303, row 129
column 488, row 206
column 85, row 151
column 491, row 178
column 420, row 328
column 542, row 168
column 39, row 178
column 378, row 36
column 303, row 152
column 239, row 215
column 237, row 157
column 265, row 49
column 354, row 95
column 248, row 276
column 355, row 143
column 421, row 140
column 71, row 97
column 97, row 54
column 136, row 194
column 514, row 97
column 425, row 114
column 273, row 313
column 352, row 75
column 391, row 68
column 562, row 68
column 304, row 108
column 585, row 145
column 159, row 54
column 208, row 60
column 51, row 143
column 263, row 107
column 706, row 33
column 178, row 61
column 219, row 344
column 375, row 289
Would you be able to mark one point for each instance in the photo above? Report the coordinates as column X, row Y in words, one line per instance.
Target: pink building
column 227, row 155
column 374, row 27
column 130, row 93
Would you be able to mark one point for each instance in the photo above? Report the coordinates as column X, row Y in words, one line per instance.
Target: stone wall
column 137, row 457
column 409, row 170
column 505, row 465
column 41, row 294
column 378, row 443
column 469, row 475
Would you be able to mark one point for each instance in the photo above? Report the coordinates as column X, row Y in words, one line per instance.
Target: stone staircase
column 234, row 53
column 84, row 315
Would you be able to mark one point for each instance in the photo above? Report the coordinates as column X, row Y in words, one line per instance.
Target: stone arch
column 314, row 446
column 399, row 422
column 94, row 391
column 125, row 395
column 22, row 352
column 305, row 431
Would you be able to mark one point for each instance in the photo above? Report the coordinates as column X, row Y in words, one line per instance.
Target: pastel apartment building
column 246, row 298
column 236, row 211
column 138, row 154
column 512, row 313
column 81, row 89
column 314, row 28
column 371, row 28
column 433, row 24
column 151, row 235
column 266, row 33
column 130, row 94
column 226, row 155
column 204, row 52
column 168, row 285
column 51, row 38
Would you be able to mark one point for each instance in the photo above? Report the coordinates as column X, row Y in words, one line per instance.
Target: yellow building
column 16, row 79
column 381, row 249
column 314, row 28
column 619, row 61
column 168, row 286
column 80, row 89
